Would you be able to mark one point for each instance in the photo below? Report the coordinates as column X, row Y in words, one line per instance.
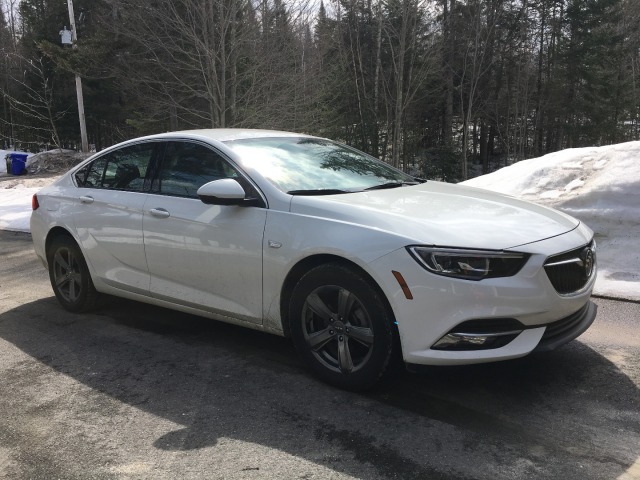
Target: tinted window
column 188, row 166
column 94, row 173
column 123, row 169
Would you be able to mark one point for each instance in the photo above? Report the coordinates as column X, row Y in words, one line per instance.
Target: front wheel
column 342, row 327
column 70, row 276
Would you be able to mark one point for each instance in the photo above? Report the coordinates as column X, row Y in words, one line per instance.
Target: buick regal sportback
column 355, row 261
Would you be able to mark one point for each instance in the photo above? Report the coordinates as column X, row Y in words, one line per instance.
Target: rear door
column 203, row 256
column 108, row 214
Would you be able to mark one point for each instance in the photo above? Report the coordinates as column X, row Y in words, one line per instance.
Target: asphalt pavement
column 135, row 391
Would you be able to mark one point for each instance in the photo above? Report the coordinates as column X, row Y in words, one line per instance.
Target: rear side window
column 122, row 169
column 187, row 166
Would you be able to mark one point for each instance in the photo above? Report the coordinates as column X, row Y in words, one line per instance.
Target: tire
column 342, row 327
column 69, row 276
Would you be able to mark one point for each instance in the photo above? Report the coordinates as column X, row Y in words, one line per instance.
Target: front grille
column 560, row 327
column 569, row 272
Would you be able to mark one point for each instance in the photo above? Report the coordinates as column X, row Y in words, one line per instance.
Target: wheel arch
column 54, row 233
column 308, row 263
column 72, row 270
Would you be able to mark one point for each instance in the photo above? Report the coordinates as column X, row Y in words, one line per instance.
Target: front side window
column 122, row 169
column 187, row 166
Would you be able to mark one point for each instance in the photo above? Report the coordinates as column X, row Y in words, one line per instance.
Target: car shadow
column 218, row 380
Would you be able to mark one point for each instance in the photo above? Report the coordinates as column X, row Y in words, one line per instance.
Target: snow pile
column 55, row 161
column 15, row 207
column 601, row 187
column 51, row 161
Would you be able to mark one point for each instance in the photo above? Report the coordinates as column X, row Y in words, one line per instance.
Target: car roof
column 227, row 134
column 216, row 134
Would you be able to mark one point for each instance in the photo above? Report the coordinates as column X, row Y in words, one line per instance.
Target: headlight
column 468, row 264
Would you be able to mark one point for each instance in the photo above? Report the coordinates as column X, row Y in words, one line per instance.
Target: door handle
column 86, row 199
column 159, row 213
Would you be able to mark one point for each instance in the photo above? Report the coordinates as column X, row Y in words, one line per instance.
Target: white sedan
column 357, row 262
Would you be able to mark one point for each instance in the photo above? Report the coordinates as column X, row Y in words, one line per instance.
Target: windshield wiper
column 391, row 185
column 319, row 191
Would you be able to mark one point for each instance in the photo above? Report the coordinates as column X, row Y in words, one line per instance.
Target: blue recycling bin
column 18, row 163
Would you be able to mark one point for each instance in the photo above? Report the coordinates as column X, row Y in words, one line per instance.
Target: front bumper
column 440, row 304
column 563, row 331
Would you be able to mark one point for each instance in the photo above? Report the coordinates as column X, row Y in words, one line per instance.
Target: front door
column 203, row 256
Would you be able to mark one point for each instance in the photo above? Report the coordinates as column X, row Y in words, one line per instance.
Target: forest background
column 439, row 88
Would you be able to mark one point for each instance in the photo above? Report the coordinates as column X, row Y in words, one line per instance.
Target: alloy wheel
column 67, row 274
column 337, row 329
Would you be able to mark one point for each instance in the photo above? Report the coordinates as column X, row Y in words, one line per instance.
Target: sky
column 600, row 186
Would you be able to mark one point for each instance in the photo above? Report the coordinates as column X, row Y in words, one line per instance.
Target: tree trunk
column 376, row 81
column 484, row 147
column 398, row 107
column 538, row 131
column 449, row 42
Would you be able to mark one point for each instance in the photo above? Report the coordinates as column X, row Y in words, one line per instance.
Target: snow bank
column 601, row 187
column 15, row 208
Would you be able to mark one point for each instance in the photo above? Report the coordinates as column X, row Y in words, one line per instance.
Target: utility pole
column 83, row 125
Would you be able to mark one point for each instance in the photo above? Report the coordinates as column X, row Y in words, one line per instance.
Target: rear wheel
column 70, row 276
column 342, row 327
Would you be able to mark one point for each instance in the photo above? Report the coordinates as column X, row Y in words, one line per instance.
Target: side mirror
column 225, row 191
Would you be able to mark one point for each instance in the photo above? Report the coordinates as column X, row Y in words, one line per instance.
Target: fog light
column 458, row 341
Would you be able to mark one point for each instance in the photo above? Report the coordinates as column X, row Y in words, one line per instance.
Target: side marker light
column 403, row 285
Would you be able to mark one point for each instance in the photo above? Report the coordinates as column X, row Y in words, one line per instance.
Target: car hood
column 442, row 214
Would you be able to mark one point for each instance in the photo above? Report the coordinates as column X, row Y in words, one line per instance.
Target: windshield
column 304, row 165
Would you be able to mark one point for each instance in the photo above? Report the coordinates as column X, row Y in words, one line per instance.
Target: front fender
column 290, row 238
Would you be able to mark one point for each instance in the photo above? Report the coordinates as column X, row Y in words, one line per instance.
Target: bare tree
column 10, row 20
column 34, row 99
column 411, row 63
column 480, row 20
column 214, row 63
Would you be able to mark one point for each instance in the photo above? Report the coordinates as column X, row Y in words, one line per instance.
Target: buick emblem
column 587, row 257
